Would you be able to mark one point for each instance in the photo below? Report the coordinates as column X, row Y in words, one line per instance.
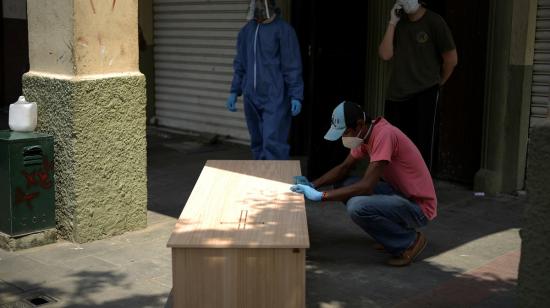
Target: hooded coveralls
column 268, row 71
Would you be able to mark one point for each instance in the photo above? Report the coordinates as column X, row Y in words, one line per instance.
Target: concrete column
column 91, row 96
column 377, row 72
column 507, row 95
column 534, row 281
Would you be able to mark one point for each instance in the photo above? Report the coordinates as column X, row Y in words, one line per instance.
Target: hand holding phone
column 399, row 11
column 396, row 13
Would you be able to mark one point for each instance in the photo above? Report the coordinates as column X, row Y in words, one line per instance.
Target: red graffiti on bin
column 21, row 197
column 40, row 177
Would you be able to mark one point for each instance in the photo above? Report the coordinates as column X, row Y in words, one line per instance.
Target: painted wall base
column 100, row 151
column 13, row 243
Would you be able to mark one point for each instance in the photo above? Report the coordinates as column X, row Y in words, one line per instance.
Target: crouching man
column 395, row 196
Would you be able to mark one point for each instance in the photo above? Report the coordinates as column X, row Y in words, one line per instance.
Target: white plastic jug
column 22, row 116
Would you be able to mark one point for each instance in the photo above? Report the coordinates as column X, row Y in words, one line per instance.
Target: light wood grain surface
column 239, row 278
column 243, row 204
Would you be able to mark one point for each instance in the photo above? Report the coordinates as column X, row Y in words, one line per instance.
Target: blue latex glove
column 231, row 102
column 296, row 107
column 309, row 192
column 300, row 179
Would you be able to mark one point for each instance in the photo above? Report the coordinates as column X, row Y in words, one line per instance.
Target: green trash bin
column 27, row 190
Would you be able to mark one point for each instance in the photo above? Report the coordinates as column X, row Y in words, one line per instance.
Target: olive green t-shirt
column 417, row 55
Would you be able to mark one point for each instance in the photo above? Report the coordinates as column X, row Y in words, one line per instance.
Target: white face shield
column 409, row 6
column 261, row 10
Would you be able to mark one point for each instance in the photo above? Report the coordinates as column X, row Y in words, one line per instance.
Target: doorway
column 333, row 39
column 15, row 49
column 458, row 153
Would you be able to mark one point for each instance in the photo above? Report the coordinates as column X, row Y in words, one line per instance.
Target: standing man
column 390, row 211
column 268, row 71
column 424, row 56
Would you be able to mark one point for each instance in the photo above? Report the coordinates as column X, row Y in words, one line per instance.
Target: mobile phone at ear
column 399, row 12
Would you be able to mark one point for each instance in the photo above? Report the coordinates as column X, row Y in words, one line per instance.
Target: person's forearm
column 446, row 71
column 450, row 60
column 346, row 192
column 386, row 47
column 362, row 188
column 334, row 175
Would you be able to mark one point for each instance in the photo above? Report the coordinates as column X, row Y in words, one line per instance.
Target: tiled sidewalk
column 471, row 258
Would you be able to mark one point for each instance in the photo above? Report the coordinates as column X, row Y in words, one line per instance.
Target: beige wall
column 103, row 46
column 83, row 37
column 50, row 36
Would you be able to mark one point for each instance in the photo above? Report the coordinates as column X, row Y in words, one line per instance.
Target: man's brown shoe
column 411, row 253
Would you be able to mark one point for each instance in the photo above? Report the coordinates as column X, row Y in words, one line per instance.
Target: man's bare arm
column 450, row 60
column 364, row 187
column 337, row 173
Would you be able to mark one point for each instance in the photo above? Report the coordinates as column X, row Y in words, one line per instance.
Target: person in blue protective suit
column 268, row 72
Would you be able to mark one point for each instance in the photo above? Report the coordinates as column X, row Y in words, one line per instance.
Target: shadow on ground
column 85, row 284
column 343, row 271
column 470, row 261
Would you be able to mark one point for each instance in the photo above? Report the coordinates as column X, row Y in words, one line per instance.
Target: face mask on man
column 352, row 142
column 409, row 6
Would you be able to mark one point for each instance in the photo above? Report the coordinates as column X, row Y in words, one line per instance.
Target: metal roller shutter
column 194, row 49
column 540, row 93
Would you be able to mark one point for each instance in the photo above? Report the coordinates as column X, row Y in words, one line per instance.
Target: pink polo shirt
column 406, row 171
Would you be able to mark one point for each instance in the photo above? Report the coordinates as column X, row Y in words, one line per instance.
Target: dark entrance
column 14, row 56
column 333, row 37
column 461, row 105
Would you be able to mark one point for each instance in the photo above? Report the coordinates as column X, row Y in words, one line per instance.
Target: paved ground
column 471, row 259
